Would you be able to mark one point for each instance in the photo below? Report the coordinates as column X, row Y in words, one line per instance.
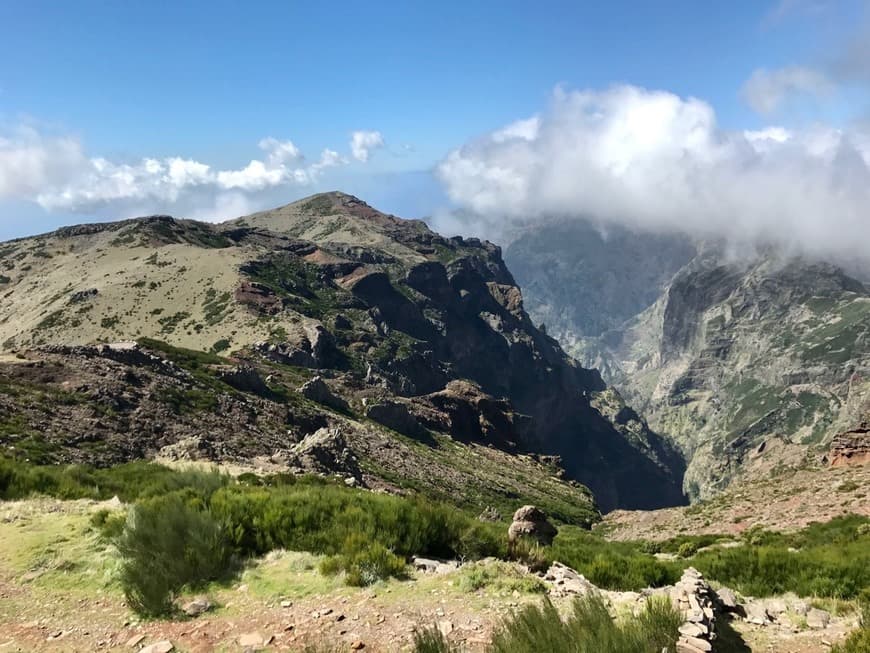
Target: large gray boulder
column 531, row 522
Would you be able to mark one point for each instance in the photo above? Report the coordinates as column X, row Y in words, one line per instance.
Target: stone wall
column 695, row 600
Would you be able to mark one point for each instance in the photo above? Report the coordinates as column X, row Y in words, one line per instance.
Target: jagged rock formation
column 748, row 363
column 384, row 308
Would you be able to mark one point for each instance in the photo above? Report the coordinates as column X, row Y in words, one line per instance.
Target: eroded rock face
column 851, row 448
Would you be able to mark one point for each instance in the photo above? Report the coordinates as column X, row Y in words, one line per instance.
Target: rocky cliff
column 748, row 363
column 391, row 312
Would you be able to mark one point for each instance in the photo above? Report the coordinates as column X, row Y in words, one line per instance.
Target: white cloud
column 56, row 173
column 526, row 130
column 659, row 161
column 30, row 161
column 363, row 143
column 766, row 90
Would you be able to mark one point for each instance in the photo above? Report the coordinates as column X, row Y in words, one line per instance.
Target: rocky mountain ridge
column 424, row 333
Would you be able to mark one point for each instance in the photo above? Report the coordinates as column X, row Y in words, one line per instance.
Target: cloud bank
column 654, row 160
column 56, row 173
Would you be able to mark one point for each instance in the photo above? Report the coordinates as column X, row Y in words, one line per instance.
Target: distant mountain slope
column 763, row 359
column 386, row 307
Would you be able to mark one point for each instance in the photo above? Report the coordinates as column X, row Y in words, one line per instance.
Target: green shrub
column 611, row 565
column 499, row 576
column 588, row 629
column 364, row 563
column 688, row 549
column 826, row 560
column 129, row 481
column 168, row 543
column 318, row 516
column 109, row 524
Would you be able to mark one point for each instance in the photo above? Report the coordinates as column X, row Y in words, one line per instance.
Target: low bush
column 319, row 517
column 688, row 549
column 825, row 560
column 431, row 640
column 364, row 563
column 588, row 629
column 612, row 565
column 169, row 543
column 128, row 482
column 499, row 576
column 858, row 641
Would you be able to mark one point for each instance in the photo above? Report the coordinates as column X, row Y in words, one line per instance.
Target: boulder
column 317, row 390
column 756, row 613
column 531, row 522
column 433, row 566
column 325, row 451
column 196, row 607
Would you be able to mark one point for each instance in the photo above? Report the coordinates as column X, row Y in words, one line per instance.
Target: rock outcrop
column 851, row 447
column 316, row 390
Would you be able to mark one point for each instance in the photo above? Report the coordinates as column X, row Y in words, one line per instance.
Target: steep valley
column 748, row 363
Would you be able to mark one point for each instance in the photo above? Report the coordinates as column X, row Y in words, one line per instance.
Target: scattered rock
column 164, row 646
column 566, row 581
column 133, row 642
column 82, row 295
column 818, row 619
column 445, row 627
column 196, row 607
column 433, row 566
column 357, row 645
column 530, row 521
column 251, row 640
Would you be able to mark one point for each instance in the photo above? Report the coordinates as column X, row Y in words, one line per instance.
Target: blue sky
column 206, row 82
